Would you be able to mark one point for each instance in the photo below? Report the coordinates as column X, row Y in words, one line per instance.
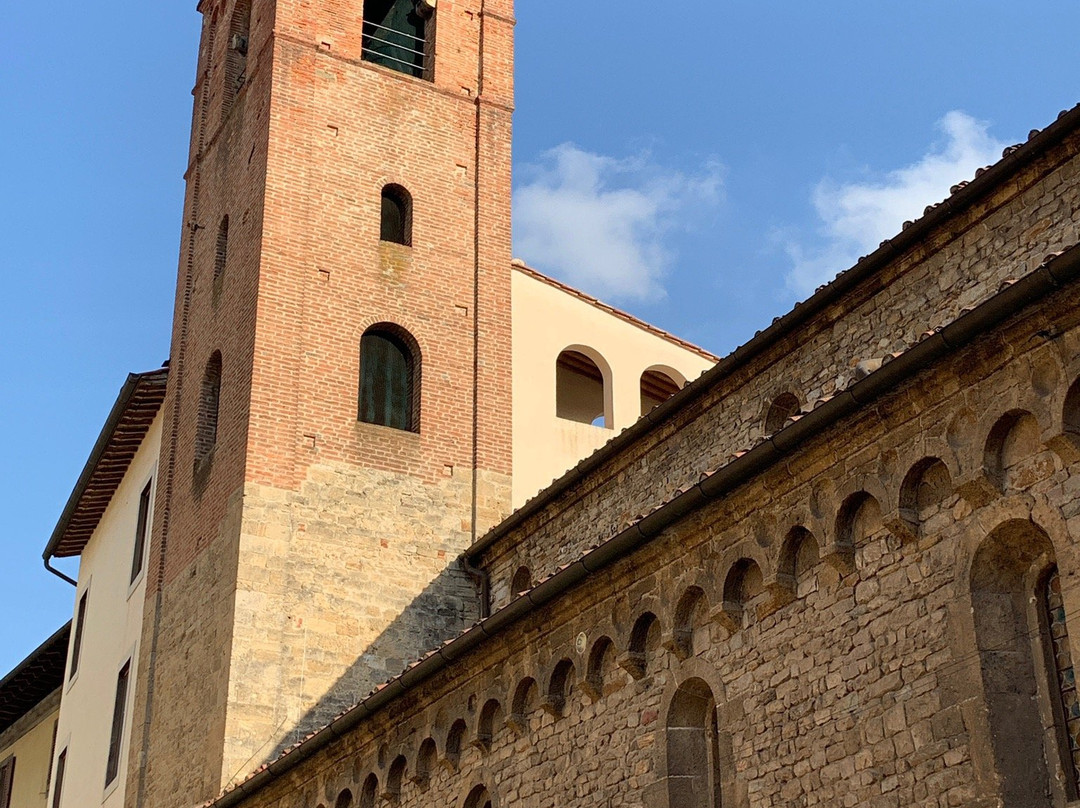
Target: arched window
column 522, row 582
column 221, row 251
column 395, row 35
column 491, row 717
column 1013, row 567
column 395, row 223
column 370, row 792
column 478, row 798
column 580, row 390
column 395, row 778
column 237, row 56
column 782, row 407
column 657, row 387
column 455, row 740
column 344, row 799
column 425, row 761
column 389, row 378
column 693, row 748
column 206, row 432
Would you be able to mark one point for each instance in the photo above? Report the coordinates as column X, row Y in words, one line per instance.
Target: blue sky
column 718, row 165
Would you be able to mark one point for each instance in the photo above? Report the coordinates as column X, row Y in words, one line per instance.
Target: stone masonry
column 861, row 609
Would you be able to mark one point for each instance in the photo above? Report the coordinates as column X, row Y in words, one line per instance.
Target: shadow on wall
column 448, row 605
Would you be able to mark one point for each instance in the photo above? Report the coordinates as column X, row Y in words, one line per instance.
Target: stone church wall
column 840, row 676
column 1001, row 235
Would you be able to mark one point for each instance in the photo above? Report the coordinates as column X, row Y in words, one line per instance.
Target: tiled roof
column 34, row 679
column 120, row 438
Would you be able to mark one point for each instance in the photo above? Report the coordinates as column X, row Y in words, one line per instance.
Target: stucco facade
column 548, row 319
column 29, row 743
column 108, row 640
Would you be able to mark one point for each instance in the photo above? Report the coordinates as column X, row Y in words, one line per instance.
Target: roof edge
column 966, row 194
column 132, row 385
column 521, row 266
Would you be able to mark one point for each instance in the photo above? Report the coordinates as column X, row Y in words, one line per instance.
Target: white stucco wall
column 30, row 742
column 110, row 638
column 548, row 320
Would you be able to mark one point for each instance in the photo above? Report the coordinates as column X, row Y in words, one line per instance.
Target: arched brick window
column 389, row 378
column 396, row 35
column 1014, row 567
column 236, row 58
column 693, row 748
column 395, row 223
column 206, row 433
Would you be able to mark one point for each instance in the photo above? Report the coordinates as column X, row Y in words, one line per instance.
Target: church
column 404, row 522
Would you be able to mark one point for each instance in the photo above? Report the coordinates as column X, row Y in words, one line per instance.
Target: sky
column 704, row 173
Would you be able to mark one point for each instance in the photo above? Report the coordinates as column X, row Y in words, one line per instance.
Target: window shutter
column 7, row 779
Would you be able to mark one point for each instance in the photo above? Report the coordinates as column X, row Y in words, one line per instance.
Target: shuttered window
column 142, row 527
column 58, row 791
column 119, row 709
column 76, row 645
column 7, row 778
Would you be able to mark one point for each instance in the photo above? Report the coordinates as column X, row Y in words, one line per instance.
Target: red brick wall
column 298, row 163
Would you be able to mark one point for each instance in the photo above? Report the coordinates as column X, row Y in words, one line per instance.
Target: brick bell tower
column 337, row 423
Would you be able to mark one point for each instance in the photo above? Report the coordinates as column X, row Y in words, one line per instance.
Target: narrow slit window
column 389, row 380
column 112, row 768
column 142, row 527
column 58, row 789
column 396, row 35
column 395, row 224
column 76, row 644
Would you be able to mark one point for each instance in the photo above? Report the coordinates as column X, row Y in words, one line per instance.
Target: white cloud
column 856, row 217
column 603, row 224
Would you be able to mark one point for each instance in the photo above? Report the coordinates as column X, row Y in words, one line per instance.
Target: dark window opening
column 656, row 388
column 783, row 407
column 395, row 35
column 389, row 379
column 112, row 768
column 693, row 748
column 142, row 527
column 522, row 582
column 206, row 434
column 76, row 644
column 396, row 218
column 580, row 390
column 58, row 791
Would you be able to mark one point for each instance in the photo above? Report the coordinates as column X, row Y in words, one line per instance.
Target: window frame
column 7, row 781
column 81, row 612
column 142, row 531
column 116, row 734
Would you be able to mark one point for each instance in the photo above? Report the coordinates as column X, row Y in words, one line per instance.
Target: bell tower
column 337, row 423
